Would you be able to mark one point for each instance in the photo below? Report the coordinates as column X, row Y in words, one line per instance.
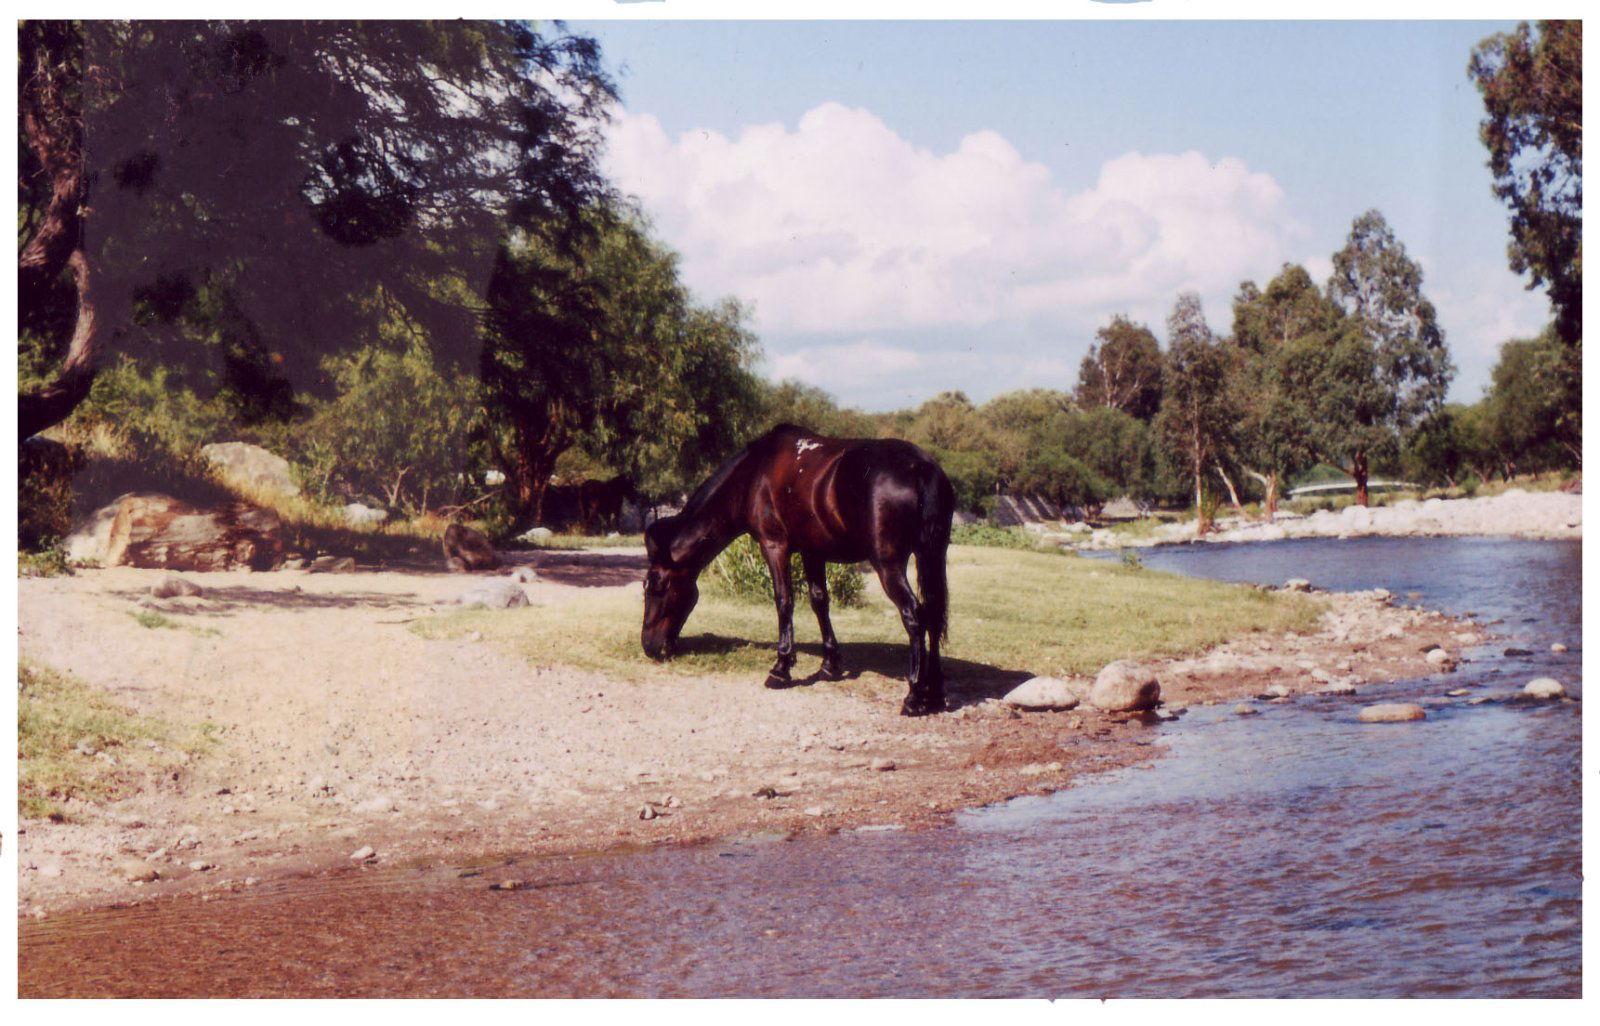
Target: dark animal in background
column 600, row 502
column 467, row 549
column 831, row 500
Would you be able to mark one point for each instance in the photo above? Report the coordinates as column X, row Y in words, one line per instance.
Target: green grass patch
column 62, row 722
column 1013, row 614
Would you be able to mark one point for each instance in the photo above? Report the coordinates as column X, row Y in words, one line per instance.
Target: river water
column 1297, row 853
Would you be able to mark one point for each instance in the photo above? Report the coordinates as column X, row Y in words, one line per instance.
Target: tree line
column 386, row 250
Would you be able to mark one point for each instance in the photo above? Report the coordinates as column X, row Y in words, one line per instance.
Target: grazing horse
column 831, row 500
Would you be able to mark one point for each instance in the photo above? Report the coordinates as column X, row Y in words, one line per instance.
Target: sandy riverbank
column 339, row 728
column 1515, row 513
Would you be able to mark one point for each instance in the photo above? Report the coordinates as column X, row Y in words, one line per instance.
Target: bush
column 741, row 573
column 992, row 536
column 44, row 493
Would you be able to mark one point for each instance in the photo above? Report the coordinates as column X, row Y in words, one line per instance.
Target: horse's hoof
column 918, row 706
column 833, row 672
column 778, row 681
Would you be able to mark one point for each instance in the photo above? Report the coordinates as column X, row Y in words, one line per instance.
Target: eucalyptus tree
column 1532, row 85
column 1196, row 417
column 1122, row 370
column 246, row 198
column 1388, row 367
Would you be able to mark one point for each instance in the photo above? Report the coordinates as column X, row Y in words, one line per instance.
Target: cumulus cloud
column 840, row 225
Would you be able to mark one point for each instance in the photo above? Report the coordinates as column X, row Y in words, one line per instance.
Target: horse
column 840, row 500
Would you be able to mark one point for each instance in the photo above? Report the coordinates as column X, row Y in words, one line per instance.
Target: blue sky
column 917, row 206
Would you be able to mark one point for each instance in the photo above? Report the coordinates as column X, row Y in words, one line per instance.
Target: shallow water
column 1297, row 853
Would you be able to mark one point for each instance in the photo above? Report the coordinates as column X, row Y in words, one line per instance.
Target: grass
column 1014, row 614
column 59, row 717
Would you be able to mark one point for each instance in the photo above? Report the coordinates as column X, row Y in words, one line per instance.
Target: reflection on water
column 1295, row 853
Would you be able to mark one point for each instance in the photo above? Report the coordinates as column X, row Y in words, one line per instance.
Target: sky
column 909, row 207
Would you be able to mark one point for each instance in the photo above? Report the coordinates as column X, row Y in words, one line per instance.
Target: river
column 1297, row 853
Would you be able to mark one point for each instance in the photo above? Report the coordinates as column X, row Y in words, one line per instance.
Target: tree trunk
column 1270, row 483
column 1358, row 470
column 1233, row 493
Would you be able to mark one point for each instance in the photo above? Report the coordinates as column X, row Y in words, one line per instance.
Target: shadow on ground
column 966, row 682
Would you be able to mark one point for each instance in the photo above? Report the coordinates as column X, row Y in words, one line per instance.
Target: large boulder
column 495, row 594
column 467, row 549
column 1125, row 686
column 250, row 466
column 1043, row 693
column 160, row 532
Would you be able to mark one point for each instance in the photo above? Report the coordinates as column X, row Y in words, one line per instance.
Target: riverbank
column 341, row 730
column 1515, row 513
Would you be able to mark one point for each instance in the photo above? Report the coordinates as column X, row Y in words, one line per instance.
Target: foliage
column 740, row 572
column 1532, row 86
column 794, row 402
column 992, row 536
column 266, row 193
column 1063, row 479
column 410, row 454
column 44, row 493
column 1122, row 370
column 1536, row 403
column 1196, row 415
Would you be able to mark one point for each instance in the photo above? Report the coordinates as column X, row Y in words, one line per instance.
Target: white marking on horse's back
column 805, row 445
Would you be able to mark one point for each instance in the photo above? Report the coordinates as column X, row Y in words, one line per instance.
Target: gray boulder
column 172, row 586
column 358, row 515
column 1125, row 686
column 495, row 594
column 250, row 466
column 1043, row 693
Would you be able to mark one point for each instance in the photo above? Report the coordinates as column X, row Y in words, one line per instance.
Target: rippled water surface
column 1297, row 853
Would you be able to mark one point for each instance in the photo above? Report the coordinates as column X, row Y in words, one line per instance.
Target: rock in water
column 1042, row 693
column 1544, row 687
column 1125, row 686
column 466, row 548
column 498, row 594
column 1392, row 712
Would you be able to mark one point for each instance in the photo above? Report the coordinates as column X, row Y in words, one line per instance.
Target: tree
column 1532, row 86
column 1272, row 437
column 1122, row 370
column 1402, row 376
column 1534, row 421
column 794, row 402
column 1195, row 416
column 259, row 195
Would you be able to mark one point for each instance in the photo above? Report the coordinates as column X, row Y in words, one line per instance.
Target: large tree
column 1532, row 85
column 259, row 195
column 1196, row 417
column 1402, row 376
column 1122, row 370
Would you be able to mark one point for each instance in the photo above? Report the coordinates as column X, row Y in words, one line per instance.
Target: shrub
column 992, row 536
column 741, row 573
column 44, row 493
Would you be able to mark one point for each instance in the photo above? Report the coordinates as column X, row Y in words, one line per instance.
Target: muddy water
column 1295, row 853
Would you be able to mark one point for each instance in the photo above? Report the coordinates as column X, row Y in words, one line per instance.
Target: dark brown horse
column 831, row 500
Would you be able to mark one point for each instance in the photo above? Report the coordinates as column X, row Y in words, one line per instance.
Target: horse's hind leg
column 926, row 692
column 817, row 582
column 783, row 596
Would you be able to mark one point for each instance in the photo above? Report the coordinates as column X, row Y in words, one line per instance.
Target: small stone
column 813, row 810
column 200, row 867
column 507, row 885
column 1459, row 692
column 1125, row 686
column 1557, row 647
column 250, row 881
column 173, row 585
column 648, row 811
column 1544, row 687
column 881, row 765
column 1277, row 691
column 1518, row 652
column 1392, row 712
column 1297, row 584
column 138, row 871
column 1246, row 710
column 363, row 854
column 1438, row 656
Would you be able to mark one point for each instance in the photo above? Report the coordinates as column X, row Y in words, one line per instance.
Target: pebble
column 1557, row 647
column 1246, row 710
column 363, row 853
column 1518, row 652
column 1034, row 769
column 1544, row 687
column 648, row 812
column 1459, row 692
column 813, row 810
column 198, row 866
column 881, row 765
column 138, row 871
column 1277, row 690
column 1392, row 712
column 1438, row 656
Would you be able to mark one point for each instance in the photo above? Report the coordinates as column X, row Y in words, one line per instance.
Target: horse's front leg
column 817, row 586
column 783, row 595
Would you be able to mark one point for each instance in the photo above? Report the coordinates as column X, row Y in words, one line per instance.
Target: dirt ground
column 340, row 730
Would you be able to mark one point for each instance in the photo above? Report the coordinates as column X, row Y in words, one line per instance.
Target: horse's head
column 670, row 592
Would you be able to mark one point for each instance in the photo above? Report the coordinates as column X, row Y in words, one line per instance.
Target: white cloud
column 839, row 225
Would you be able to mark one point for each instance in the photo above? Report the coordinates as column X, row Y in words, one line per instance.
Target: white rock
column 495, row 594
column 362, row 853
column 1544, row 687
column 1392, row 712
column 1557, row 647
column 1246, row 710
column 1042, row 693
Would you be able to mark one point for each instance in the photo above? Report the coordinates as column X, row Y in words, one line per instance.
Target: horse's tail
column 938, row 502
